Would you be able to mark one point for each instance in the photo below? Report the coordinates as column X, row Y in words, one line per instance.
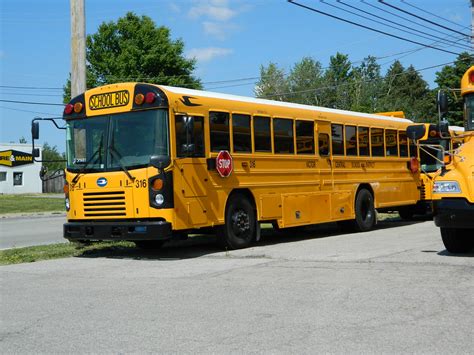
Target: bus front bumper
column 453, row 213
column 127, row 230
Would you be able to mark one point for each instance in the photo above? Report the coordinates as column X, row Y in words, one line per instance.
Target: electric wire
column 421, row 18
column 369, row 28
column 432, row 14
column 397, row 26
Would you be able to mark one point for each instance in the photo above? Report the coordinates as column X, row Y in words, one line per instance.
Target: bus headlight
column 159, row 199
column 446, row 187
column 67, row 203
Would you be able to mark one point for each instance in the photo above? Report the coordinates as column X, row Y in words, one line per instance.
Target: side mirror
column 416, row 132
column 160, row 161
column 34, row 130
column 43, row 172
column 442, row 100
column 36, row 152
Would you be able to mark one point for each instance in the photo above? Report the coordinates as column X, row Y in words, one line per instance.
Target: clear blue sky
column 230, row 39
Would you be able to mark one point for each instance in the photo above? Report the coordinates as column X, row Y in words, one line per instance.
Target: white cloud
column 218, row 30
column 207, row 54
column 218, row 10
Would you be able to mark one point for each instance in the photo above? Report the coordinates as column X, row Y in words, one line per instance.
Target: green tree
column 337, row 80
column 52, row 153
column 273, row 84
column 304, row 80
column 449, row 80
column 405, row 90
column 366, row 84
column 135, row 49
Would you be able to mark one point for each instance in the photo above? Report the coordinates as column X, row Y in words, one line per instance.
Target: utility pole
column 472, row 24
column 78, row 48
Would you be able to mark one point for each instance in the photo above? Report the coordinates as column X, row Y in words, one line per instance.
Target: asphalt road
column 392, row 290
column 23, row 231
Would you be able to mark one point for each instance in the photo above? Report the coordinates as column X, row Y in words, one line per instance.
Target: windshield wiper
column 119, row 160
column 90, row 161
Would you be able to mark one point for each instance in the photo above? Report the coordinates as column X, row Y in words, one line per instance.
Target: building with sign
column 19, row 173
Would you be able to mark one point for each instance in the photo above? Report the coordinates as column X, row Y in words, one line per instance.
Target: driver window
column 196, row 136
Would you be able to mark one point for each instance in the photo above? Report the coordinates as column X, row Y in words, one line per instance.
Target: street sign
column 224, row 163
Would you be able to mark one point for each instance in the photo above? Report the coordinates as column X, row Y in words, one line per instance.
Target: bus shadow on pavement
column 206, row 244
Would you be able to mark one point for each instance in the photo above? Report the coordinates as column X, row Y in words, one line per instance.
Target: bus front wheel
column 364, row 211
column 239, row 230
column 457, row 240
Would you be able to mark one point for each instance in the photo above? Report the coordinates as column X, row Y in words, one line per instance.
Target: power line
column 36, row 112
column 432, row 14
column 28, row 87
column 401, row 17
column 421, row 18
column 397, row 26
column 31, row 103
column 369, row 28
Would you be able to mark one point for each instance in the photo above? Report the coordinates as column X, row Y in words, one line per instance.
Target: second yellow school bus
column 147, row 162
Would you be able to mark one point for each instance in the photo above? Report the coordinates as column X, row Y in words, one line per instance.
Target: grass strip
column 62, row 250
column 28, row 203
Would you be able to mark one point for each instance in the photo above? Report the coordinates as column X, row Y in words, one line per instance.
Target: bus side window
column 262, row 136
column 363, row 135
column 323, row 143
column 351, row 140
column 403, row 142
column 197, row 138
column 241, row 133
column 391, row 146
column 283, row 136
column 337, row 139
column 377, row 142
column 413, row 148
column 219, row 127
column 305, row 137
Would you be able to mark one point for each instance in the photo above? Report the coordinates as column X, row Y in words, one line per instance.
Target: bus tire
column 149, row 244
column 364, row 211
column 239, row 230
column 406, row 213
column 457, row 240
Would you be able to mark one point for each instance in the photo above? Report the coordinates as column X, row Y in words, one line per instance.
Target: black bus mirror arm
column 35, row 135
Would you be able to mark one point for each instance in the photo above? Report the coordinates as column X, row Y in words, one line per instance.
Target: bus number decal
column 140, row 183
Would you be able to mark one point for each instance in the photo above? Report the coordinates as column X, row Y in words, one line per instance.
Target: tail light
column 414, row 165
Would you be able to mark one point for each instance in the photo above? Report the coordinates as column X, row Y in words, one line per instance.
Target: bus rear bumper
column 453, row 213
column 129, row 230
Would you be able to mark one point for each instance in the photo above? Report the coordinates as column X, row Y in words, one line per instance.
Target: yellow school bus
column 147, row 162
column 453, row 184
column 434, row 149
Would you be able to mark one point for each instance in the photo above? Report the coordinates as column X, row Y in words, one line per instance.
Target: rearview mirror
column 442, row 100
column 160, row 161
column 35, row 130
column 416, row 132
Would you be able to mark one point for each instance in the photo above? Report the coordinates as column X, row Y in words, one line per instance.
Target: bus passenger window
column 413, row 148
column 403, row 142
column 219, row 127
column 241, row 133
column 305, row 137
column 323, row 143
column 391, row 146
column 283, row 136
column 261, row 131
column 377, row 142
column 363, row 133
column 196, row 138
column 337, row 139
column 351, row 140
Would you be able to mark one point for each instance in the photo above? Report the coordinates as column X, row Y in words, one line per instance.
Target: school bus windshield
column 109, row 142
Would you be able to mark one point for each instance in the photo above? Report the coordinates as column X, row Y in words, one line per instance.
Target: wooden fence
column 54, row 183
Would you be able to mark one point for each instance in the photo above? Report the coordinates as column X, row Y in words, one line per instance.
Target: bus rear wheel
column 239, row 230
column 149, row 244
column 457, row 240
column 364, row 211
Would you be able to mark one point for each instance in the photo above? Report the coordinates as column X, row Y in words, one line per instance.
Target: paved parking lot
column 391, row 290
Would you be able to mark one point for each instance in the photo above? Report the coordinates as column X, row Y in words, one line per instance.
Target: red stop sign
column 224, row 164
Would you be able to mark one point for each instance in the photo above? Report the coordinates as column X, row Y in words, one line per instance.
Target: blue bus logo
column 101, row 182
